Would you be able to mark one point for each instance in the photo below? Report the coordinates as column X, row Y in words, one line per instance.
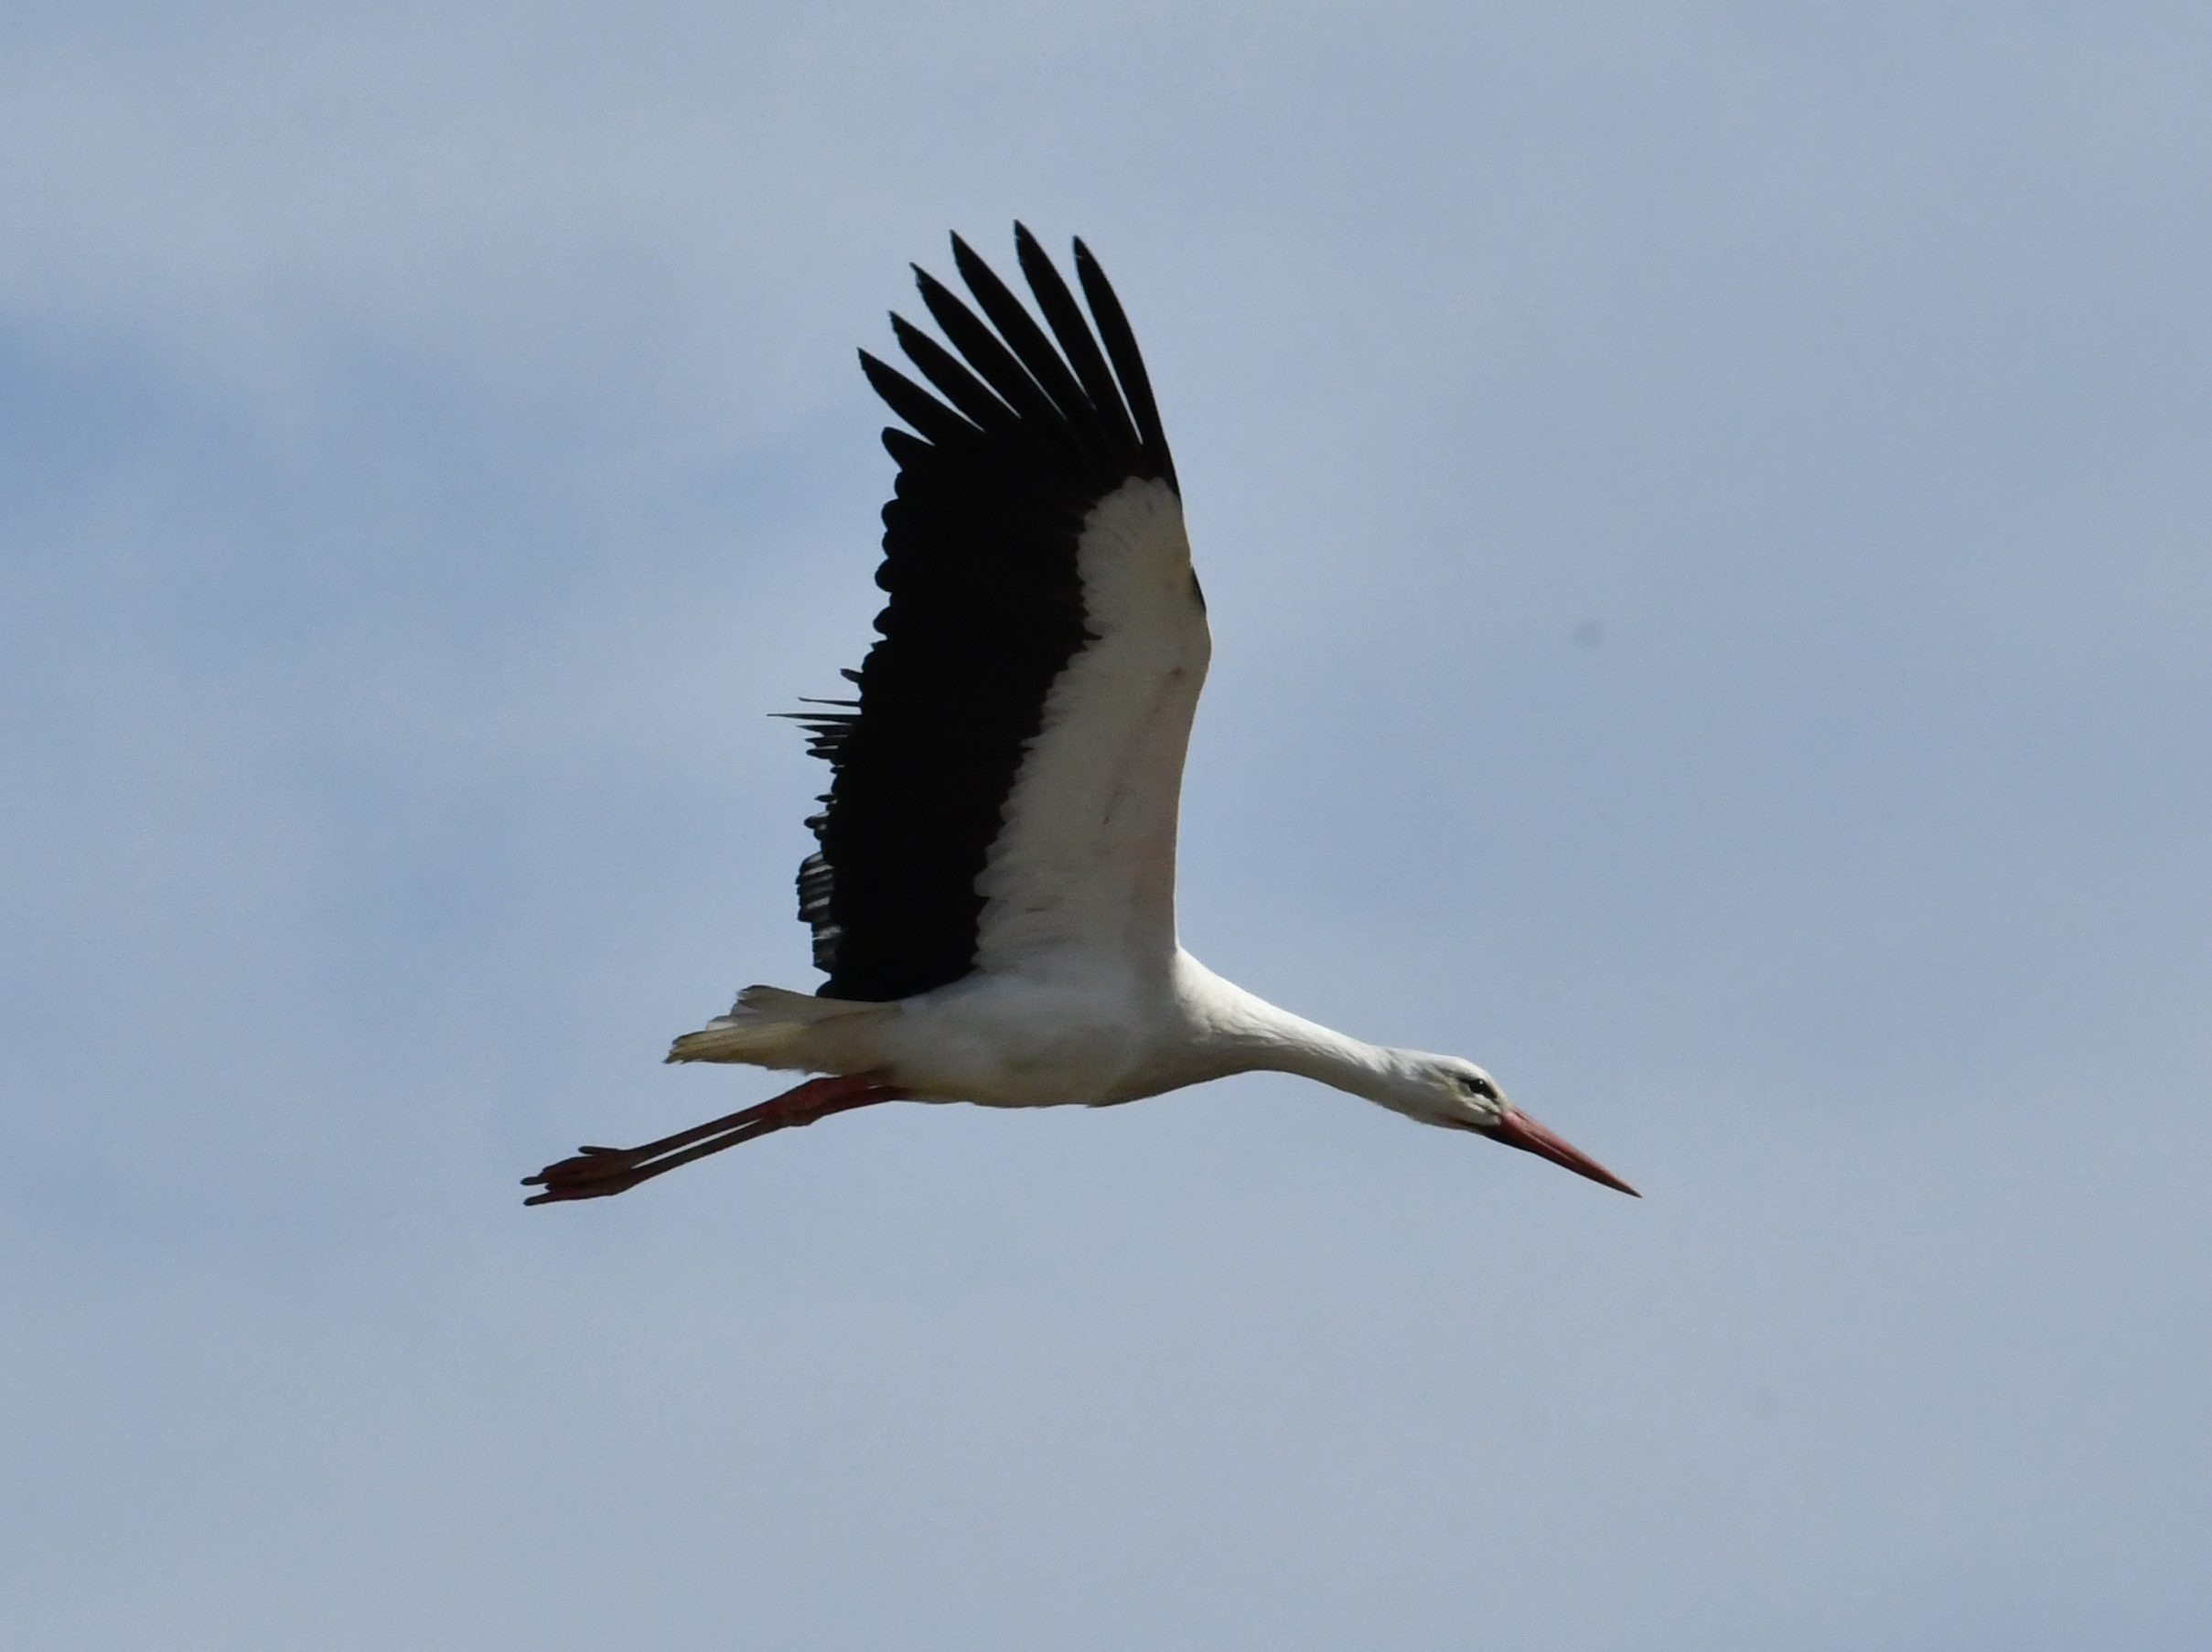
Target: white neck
column 1247, row 1033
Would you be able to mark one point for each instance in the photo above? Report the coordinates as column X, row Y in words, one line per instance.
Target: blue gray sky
column 1704, row 512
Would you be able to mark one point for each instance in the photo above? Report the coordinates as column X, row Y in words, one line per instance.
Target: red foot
column 598, row 1172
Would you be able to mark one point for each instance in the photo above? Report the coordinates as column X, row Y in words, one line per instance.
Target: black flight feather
column 1064, row 317
column 1128, row 365
column 1021, row 332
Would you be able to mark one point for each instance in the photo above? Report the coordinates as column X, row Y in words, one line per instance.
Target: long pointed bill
column 1518, row 1130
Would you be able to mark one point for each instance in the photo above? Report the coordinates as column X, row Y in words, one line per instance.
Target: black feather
column 968, row 393
column 939, row 423
column 1128, row 365
column 1022, row 334
column 992, row 360
column 1064, row 317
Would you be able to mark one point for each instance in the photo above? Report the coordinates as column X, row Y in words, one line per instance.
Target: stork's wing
column 1004, row 787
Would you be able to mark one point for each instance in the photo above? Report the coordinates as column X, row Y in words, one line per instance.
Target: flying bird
column 994, row 895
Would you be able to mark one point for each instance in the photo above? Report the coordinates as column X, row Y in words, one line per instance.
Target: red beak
column 1518, row 1130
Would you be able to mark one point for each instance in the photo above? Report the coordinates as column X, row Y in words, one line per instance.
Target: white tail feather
column 768, row 1026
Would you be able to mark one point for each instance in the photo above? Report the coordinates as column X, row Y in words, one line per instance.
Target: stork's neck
column 1295, row 1045
column 1252, row 1035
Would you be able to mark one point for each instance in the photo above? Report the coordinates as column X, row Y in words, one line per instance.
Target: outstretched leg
column 598, row 1173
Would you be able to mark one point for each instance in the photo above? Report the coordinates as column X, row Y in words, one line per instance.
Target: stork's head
column 1444, row 1090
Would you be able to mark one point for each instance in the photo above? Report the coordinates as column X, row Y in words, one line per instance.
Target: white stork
column 993, row 898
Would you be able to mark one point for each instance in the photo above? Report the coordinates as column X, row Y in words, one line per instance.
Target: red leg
column 598, row 1173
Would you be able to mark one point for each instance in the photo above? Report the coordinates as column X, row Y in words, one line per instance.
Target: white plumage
column 995, row 897
column 1086, row 867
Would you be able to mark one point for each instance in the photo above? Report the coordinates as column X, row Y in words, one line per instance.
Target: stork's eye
column 1474, row 1086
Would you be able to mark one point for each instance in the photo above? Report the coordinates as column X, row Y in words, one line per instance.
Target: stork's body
column 1013, row 1040
column 993, row 899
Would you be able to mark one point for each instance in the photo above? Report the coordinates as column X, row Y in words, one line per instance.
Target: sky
column 1703, row 508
